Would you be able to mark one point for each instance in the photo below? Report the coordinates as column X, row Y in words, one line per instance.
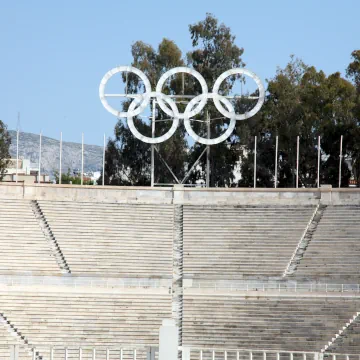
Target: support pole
column 17, row 154
column 103, row 172
column 153, row 146
column 318, row 167
column 340, row 160
column 255, row 152
column 297, row 161
column 60, row 157
column 39, row 174
column 82, row 158
column 208, row 152
column 276, row 159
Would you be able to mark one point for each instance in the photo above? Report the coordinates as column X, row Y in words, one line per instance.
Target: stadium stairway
column 113, row 239
column 23, row 247
column 235, row 242
column 334, row 250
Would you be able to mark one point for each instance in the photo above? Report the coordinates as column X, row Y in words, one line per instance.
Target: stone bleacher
column 334, row 250
column 234, row 242
column 23, row 247
column 294, row 323
column 113, row 239
column 75, row 319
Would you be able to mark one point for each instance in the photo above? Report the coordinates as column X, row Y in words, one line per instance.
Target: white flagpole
column 318, row 169
column 39, row 174
column 17, row 154
column 340, row 160
column 276, row 159
column 60, row 170
column 297, row 162
column 255, row 163
column 103, row 173
column 82, row 158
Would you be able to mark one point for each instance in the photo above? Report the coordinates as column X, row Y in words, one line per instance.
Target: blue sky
column 54, row 54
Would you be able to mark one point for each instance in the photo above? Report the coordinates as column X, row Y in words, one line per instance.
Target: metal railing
column 128, row 352
column 92, row 282
column 277, row 286
column 190, row 353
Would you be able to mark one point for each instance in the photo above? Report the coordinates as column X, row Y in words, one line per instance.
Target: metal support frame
column 153, row 146
column 60, row 156
column 208, row 151
column 193, row 166
column 318, row 164
column 39, row 174
column 340, row 159
column 255, row 153
column 82, row 158
column 276, row 160
column 103, row 172
column 166, row 164
column 297, row 160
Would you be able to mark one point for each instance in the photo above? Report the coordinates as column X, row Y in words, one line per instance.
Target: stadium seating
column 349, row 342
column 113, row 239
column 234, row 242
column 294, row 323
column 23, row 247
column 334, row 250
column 89, row 319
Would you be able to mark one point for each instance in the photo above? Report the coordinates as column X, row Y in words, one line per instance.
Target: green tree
column 127, row 159
column 5, row 142
column 214, row 52
column 304, row 102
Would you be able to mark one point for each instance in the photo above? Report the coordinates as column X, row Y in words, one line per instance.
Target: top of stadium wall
column 182, row 195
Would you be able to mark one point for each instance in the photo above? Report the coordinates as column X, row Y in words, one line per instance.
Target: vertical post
column 297, row 161
column 82, row 158
column 208, row 151
column 60, row 157
column 14, row 352
column 103, row 173
column 276, row 159
column 318, row 167
column 168, row 340
column 17, row 154
column 39, row 174
column 152, row 146
column 255, row 162
column 340, row 160
column 51, row 353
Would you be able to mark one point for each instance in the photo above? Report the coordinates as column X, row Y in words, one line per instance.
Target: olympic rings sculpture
column 168, row 105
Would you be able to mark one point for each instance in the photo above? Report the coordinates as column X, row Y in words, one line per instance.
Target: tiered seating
column 113, row 239
column 334, row 250
column 232, row 242
column 99, row 320
column 6, row 340
column 350, row 342
column 264, row 322
column 23, row 247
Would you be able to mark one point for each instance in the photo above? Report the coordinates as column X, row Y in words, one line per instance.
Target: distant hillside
column 71, row 153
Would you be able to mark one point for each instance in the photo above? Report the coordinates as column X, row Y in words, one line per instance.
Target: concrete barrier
column 181, row 195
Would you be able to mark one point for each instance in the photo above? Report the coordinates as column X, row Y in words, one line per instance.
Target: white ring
column 249, row 73
column 162, row 138
column 222, row 137
column 186, row 70
column 145, row 99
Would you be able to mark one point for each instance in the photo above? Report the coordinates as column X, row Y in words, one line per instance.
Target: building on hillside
column 25, row 173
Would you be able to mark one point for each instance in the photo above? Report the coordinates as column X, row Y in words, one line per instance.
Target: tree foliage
column 128, row 159
column 4, row 149
column 304, row 102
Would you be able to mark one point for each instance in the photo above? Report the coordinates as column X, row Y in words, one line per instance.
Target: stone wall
column 180, row 195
